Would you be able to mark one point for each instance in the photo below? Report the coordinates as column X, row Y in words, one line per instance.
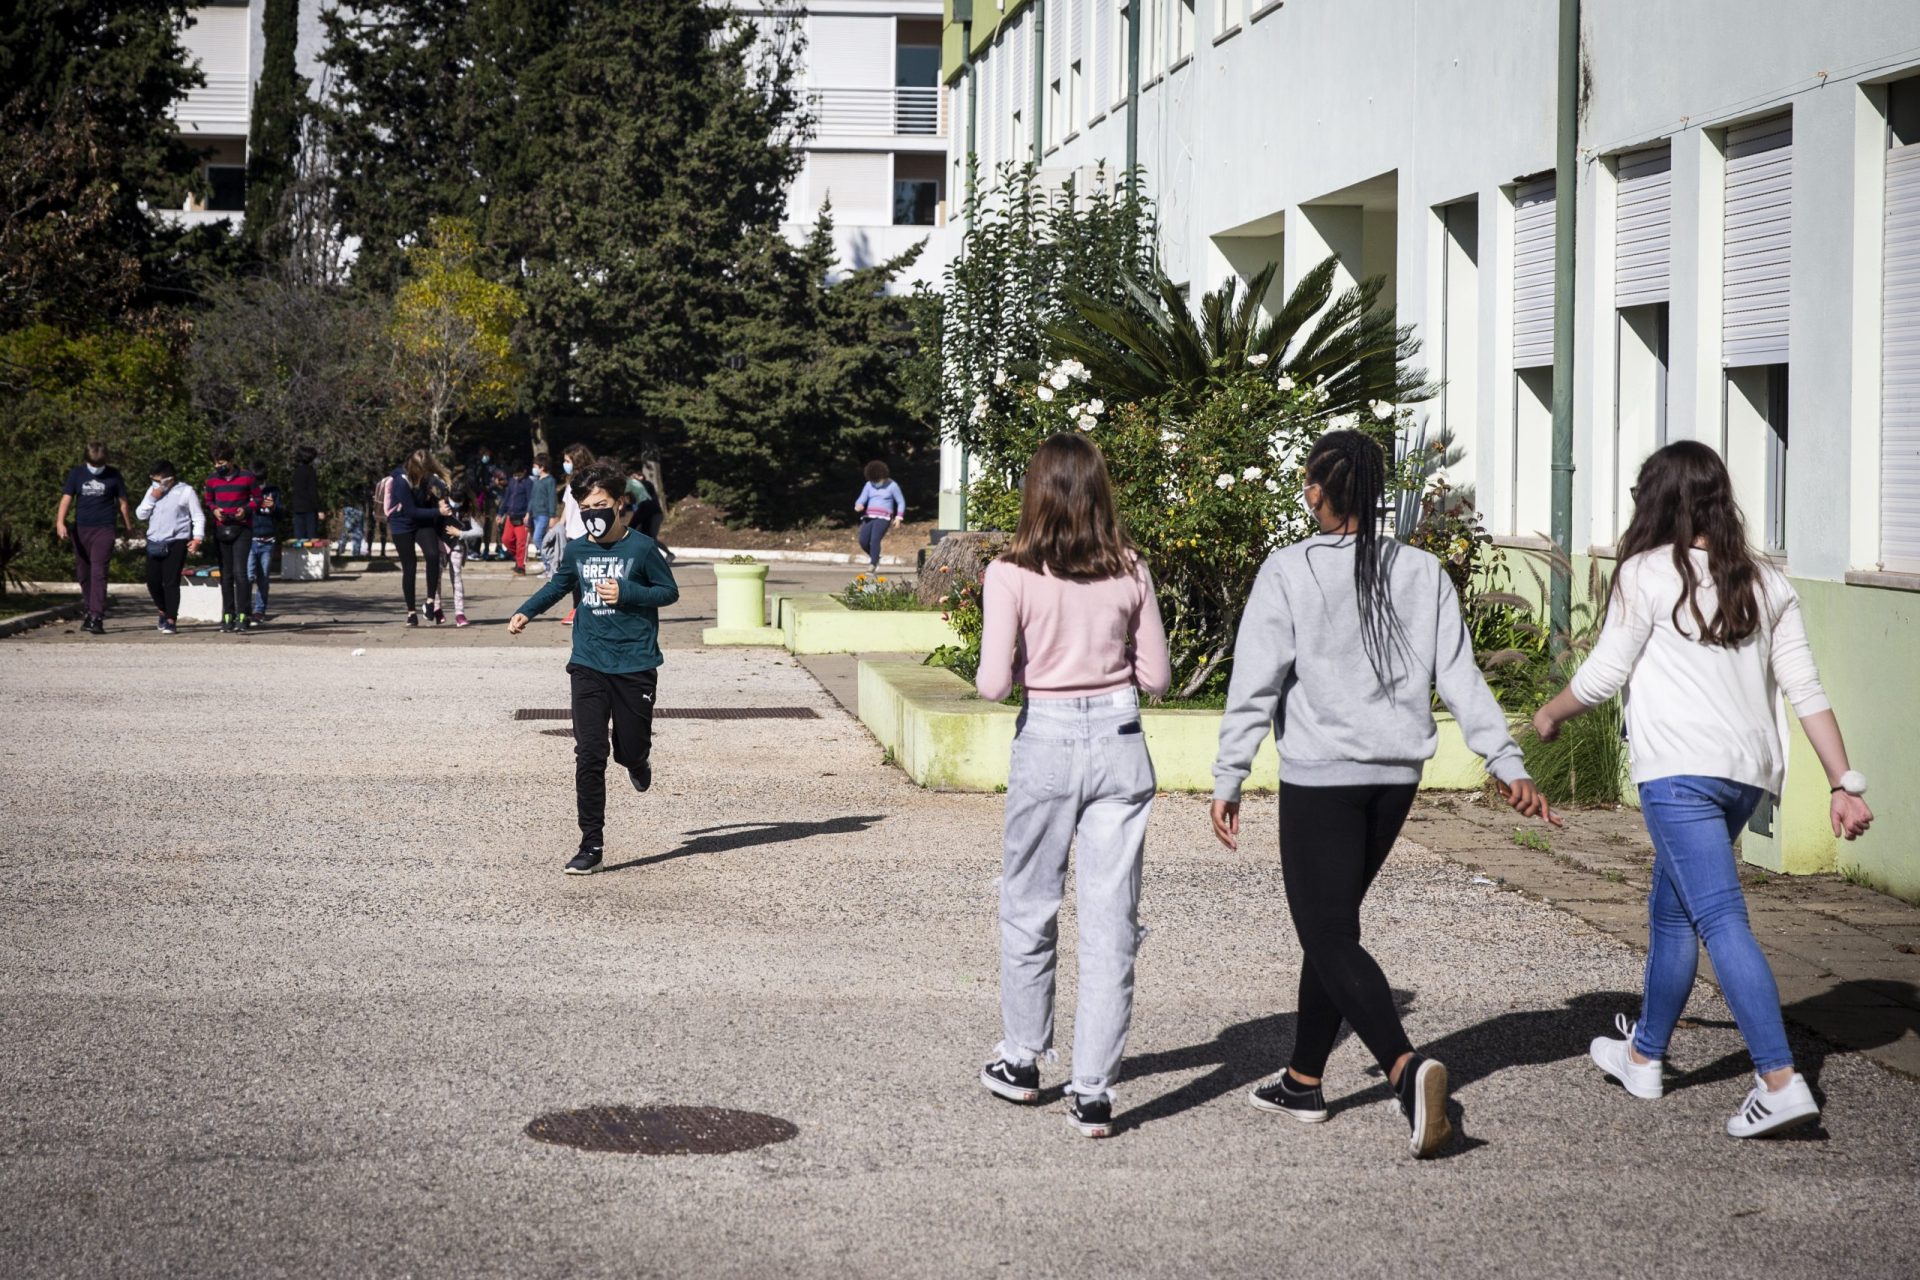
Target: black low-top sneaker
column 1012, row 1082
column 1093, row 1117
column 642, row 776
column 1304, row 1102
column 167, row 628
column 1423, row 1100
column 586, row 861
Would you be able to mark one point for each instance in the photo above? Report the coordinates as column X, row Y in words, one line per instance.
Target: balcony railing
column 898, row 112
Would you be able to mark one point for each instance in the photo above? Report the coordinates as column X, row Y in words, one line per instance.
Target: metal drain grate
column 661, row 1131
column 687, row 713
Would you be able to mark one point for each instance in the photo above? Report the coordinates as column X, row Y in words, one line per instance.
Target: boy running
column 616, row 646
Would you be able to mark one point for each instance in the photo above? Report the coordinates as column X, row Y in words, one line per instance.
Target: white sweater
column 1701, row 709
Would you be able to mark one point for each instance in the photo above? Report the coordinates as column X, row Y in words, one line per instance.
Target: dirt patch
column 693, row 523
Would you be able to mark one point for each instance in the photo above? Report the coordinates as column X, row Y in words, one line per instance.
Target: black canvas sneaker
column 1014, row 1083
column 1304, row 1102
column 1423, row 1100
column 584, row 862
column 1093, row 1117
column 642, row 776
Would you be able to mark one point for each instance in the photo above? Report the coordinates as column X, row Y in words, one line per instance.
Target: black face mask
column 599, row 521
column 223, row 470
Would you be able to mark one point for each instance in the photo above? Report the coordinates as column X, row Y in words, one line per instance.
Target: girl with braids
column 1343, row 641
column 1704, row 637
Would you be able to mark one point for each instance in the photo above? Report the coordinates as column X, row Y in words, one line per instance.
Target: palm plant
column 1147, row 343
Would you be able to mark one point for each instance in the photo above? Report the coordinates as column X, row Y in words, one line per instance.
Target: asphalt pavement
column 287, row 966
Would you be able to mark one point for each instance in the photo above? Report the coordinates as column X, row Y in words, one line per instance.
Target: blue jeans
column 1696, row 891
column 1080, row 779
column 537, row 539
column 259, row 560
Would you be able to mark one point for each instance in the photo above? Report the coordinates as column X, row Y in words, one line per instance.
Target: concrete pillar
column 1699, row 210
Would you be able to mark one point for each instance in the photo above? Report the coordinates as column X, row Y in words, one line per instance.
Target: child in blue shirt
column 624, row 582
column 882, row 507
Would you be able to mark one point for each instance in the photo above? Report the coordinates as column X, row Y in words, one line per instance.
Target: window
column 1076, row 100
column 227, row 188
column 1153, row 39
column 1900, row 335
column 916, row 202
column 1754, row 443
column 1055, row 106
column 1120, row 38
column 1182, row 30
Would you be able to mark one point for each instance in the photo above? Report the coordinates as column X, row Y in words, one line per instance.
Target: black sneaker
column 167, row 628
column 586, row 861
column 1423, row 1100
column 1093, row 1117
column 1304, row 1102
column 413, row 618
column 1014, row 1083
column 226, row 624
column 642, row 776
column 94, row 625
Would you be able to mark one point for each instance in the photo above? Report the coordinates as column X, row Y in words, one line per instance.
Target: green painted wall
column 987, row 19
column 1867, row 641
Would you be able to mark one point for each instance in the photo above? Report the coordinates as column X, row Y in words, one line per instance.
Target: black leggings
column 427, row 543
column 163, row 578
column 1333, row 841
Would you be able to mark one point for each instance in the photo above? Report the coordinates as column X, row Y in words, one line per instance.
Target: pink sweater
column 1065, row 639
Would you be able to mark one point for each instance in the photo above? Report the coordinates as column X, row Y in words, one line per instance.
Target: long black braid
column 1351, row 470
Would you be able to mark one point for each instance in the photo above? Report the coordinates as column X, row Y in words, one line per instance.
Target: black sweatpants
column 233, row 541
column 163, row 578
column 418, row 543
column 625, row 701
column 1333, row 841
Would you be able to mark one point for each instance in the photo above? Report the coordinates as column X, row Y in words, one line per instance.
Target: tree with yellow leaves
column 452, row 334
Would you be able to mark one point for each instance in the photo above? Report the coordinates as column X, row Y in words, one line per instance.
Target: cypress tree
column 273, row 137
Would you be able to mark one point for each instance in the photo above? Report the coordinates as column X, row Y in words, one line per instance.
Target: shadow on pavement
column 1850, row 1016
column 748, row 835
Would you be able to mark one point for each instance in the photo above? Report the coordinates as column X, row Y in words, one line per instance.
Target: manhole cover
column 661, row 1131
column 686, row 713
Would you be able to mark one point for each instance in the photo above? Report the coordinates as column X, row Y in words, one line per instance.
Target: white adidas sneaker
column 1615, row 1057
column 1769, row 1111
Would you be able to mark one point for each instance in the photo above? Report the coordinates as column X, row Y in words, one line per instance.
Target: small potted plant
column 741, row 593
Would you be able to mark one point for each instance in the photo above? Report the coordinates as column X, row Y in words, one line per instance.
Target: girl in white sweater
column 1705, row 637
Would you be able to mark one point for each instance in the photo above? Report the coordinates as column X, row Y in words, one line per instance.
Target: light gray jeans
column 1080, row 770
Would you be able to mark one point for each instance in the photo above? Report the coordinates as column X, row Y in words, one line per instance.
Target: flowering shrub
column 963, row 611
column 878, row 593
column 1206, row 492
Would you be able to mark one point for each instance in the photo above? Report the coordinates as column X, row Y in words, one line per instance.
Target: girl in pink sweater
column 1070, row 614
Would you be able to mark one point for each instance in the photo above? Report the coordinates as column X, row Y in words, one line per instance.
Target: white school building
column 1747, row 258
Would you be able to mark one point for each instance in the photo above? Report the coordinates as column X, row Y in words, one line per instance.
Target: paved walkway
column 286, row 966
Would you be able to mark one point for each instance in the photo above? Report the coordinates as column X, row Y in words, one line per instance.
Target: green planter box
column 818, row 623
column 946, row 738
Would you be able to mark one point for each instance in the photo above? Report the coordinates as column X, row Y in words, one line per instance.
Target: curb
column 770, row 557
column 39, row 618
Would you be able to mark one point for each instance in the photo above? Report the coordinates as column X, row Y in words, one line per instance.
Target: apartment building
column 1747, row 265
column 882, row 126
column 226, row 38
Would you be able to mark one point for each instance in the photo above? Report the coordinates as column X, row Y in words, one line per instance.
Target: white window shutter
column 1643, row 226
column 1533, row 274
column 1758, row 267
column 1900, row 365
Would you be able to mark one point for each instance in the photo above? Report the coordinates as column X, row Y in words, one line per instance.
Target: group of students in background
column 1343, row 642
column 436, row 517
column 242, row 515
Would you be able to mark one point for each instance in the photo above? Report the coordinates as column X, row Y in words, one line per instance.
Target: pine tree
column 86, row 142
column 810, row 387
column 273, row 141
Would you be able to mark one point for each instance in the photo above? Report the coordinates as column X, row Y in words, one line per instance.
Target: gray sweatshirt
column 1300, row 669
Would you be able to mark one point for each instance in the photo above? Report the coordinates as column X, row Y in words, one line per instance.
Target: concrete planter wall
column 306, row 564
column 948, row 739
column 816, row 623
column 740, row 608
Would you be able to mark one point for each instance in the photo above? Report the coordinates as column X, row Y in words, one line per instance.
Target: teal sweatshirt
column 617, row 639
